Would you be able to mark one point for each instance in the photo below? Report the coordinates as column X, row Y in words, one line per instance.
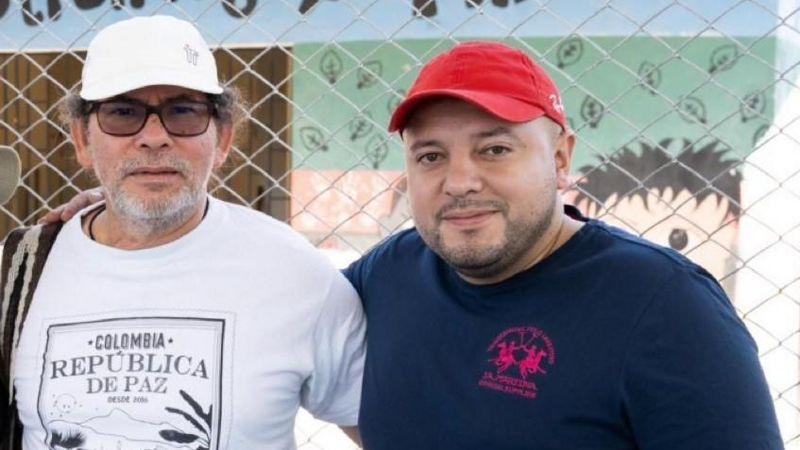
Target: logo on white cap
column 192, row 55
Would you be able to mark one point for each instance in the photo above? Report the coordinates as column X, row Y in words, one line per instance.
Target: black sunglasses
column 127, row 117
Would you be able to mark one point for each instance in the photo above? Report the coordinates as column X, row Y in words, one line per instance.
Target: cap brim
column 500, row 106
column 147, row 77
column 9, row 173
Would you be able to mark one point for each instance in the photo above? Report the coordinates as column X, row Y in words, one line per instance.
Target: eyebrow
column 426, row 143
column 494, row 132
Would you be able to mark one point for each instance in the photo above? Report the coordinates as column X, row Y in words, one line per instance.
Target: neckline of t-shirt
column 589, row 228
column 82, row 243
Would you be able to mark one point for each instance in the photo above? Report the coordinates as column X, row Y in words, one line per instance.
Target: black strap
column 91, row 221
column 24, row 249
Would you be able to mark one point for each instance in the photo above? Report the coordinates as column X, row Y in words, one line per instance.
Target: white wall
column 768, row 285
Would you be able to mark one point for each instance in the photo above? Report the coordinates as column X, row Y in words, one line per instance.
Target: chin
column 154, row 206
column 478, row 239
column 155, row 192
column 156, row 189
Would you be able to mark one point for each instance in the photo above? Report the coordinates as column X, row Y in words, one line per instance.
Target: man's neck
column 114, row 230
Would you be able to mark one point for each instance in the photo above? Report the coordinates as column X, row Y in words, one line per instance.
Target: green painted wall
column 603, row 94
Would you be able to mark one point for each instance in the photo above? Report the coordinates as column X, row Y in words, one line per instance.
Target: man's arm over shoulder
column 691, row 377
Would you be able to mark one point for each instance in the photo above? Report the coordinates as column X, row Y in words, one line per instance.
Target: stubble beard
column 489, row 261
column 154, row 217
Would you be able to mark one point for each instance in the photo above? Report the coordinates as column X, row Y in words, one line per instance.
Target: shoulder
column 404, row 248
column 616, row 249
column 678, row 290
column 633, row 273
column 257, row 228
column 270, row 244
column 404, row 244
column 251, row 220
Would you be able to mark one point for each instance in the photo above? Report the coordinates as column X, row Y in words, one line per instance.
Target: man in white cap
column 165, row 318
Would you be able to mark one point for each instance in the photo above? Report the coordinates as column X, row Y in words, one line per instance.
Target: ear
column 563, row 158
column 79, row 133
column 225, row 137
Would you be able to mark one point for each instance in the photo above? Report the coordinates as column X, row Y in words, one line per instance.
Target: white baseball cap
column 148, row 51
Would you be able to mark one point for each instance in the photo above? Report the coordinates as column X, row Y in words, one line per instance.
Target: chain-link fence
column 685, row 110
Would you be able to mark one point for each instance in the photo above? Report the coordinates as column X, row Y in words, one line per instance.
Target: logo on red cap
column 558, row 105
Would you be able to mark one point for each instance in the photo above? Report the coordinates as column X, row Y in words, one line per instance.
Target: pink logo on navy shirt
column 519, row 356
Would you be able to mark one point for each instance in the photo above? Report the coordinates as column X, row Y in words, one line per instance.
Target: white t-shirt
column 212, row 341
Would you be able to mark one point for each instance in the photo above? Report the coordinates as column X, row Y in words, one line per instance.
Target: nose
column 153, row 136
column 463, row 176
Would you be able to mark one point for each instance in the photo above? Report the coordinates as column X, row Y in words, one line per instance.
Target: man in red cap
column 505, row 320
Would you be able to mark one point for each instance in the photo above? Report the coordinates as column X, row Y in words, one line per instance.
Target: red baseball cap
column 502, row 80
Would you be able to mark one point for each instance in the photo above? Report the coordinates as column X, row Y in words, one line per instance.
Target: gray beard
column 156, row 217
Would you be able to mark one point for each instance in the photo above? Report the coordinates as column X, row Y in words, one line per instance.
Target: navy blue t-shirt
column 610, row 343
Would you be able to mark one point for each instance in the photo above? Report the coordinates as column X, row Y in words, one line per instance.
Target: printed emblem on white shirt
column 134, row 383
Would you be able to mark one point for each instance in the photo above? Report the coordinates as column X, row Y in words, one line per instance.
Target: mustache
column 465, row 203
column 178, row 165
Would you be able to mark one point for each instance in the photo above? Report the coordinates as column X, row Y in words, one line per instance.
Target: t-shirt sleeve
column 692, row 379
column 333, row 391
column 355, row 272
